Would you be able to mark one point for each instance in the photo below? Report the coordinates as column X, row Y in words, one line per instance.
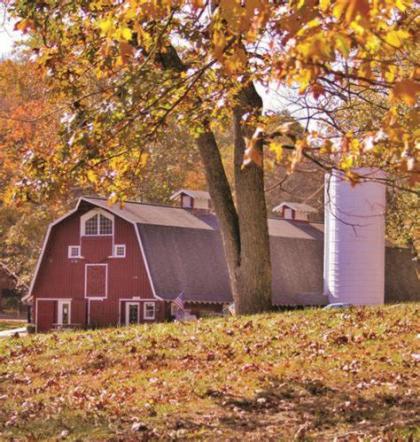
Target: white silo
column 354, row 243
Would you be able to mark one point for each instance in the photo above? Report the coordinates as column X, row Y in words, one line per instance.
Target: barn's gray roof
column 152, row 214
column 192, row 261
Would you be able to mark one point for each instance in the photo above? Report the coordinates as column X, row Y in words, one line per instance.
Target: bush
column 30, row 328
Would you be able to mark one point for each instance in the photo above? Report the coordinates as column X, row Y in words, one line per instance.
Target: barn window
column 105, row 225
column 187, row 202
column 119, row 250
column 289, row 213
column 97, row 224
column 74, row 252
column 149, row 310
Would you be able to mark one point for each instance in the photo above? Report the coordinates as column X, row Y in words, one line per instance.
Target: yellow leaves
column 143, row 37
column 350, row 9
column 92, row 176
column 105, row 25
column 343, row 44
column 346, row 163
column 397, row 38
column 402, row 5
column 310, row 25
column 316, row 48
column 324, row 5
column 390, row 73
column 373, row 43
column 126, row 33
column 406, row 91
column 108, row 29
column 277, row 148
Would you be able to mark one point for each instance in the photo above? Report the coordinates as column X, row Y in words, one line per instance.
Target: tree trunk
column 243, row 229
column 254, row 279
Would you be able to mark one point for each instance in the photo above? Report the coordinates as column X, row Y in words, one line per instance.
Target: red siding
column 96, row 248
column 46, row 315
column 61, row 277
column 103, row 313
column 96, row 280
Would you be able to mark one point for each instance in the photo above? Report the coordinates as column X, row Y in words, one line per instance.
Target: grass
column 304, row 375
column 8, row 325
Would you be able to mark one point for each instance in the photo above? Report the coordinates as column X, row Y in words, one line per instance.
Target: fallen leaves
column 276, row 374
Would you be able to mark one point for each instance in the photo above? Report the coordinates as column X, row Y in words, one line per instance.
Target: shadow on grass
column 318, row 407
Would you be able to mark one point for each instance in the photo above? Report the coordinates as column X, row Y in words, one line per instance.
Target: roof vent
column 192, row 199
column 294, row 211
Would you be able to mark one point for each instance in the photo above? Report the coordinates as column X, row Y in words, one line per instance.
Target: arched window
column 96, row 224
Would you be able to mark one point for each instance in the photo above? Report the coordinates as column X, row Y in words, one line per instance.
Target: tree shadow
column 317, row 407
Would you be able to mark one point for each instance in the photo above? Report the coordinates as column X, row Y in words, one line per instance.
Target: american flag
column 179, row 301
column 231, row 308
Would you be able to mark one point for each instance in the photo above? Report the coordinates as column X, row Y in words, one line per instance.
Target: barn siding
column 46, row 315
column 62, row 277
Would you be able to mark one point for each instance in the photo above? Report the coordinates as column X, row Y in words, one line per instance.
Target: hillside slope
column 306, row 375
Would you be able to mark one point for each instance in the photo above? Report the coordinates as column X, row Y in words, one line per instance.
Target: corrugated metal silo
column 354, row 247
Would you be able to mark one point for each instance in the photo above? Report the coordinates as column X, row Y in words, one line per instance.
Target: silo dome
column 354, row 247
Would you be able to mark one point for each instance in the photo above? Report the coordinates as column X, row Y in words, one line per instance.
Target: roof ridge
column 133, row 202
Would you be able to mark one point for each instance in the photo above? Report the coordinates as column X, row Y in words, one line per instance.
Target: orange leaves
column 253, row 152
column 350, row 9
column 236, row 62
column 25, row 25
column 219, row 44
column 126, row 50
column 244, row 17
column 406, row 91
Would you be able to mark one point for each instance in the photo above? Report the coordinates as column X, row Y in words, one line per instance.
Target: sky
column 7, row 34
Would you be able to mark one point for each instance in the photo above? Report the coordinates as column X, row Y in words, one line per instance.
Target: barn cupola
column 294, row 211
column 192, row 199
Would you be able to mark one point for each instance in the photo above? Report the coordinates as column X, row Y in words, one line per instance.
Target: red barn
column 104, row 265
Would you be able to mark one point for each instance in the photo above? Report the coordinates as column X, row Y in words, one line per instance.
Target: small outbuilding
column 294, row 211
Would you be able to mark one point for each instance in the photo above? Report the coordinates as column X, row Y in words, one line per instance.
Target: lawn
column 8, row 325
column 303, row 375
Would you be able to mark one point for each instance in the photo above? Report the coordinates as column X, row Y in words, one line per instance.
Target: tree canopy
column 129, row 69
column 129, row 65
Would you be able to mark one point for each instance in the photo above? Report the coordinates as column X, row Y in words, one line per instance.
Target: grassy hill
column 301, row 375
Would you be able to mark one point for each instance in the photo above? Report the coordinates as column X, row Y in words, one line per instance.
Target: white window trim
column 127, row 310
column 92, row 213
column 145, row 305
column 106, row 281
column 78, row 254
column 60, row 311
column 114, row 255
